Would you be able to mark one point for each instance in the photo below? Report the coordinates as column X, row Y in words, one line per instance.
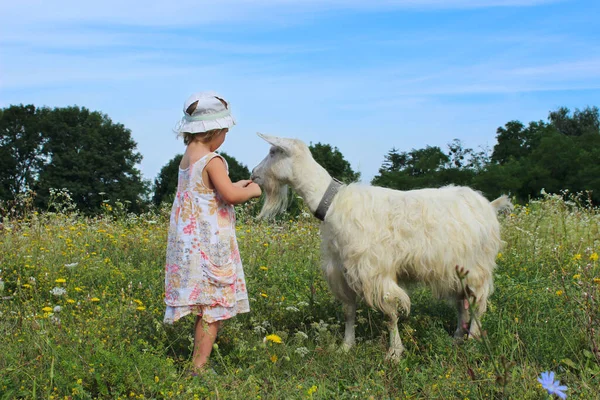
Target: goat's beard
column 276, row 199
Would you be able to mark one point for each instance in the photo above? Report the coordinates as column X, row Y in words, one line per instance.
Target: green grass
column 108, row 340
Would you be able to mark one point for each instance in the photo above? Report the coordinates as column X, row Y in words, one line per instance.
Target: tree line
column 562, row 153
column 95, row 159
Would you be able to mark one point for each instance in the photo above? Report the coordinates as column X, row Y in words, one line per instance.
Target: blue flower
column 553, row 387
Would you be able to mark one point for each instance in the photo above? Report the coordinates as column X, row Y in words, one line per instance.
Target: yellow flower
column 140, row 308
column 264, row 268
column 596, row 280
column 312, row 389
column 559, row 292
column 273, row 338
column 26, row 285
column 138, row 301
column 70, row 301
column 78, row 289
column 576, row 276
column 274, row 358
column 264, row 295
column 94, row 299
column 156, row 379
column 577, row 257
column 594, row 256
column 60, row 280
column 499, row 256
column 47, row 309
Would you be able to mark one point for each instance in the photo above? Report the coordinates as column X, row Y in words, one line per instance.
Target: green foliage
column 334, row 162
column 561, row 154
column 108, row 340
column 90, row 156
column 21, row 142
column 68, row 148
column 165, row 183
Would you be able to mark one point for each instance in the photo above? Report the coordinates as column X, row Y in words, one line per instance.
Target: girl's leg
column 204, row 338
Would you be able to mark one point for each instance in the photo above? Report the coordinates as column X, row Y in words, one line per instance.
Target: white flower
column 302, row 351
column 57, row 309
column 58, row 291
column 301, row 335
column 72, row 265
column 259, row 329
column 1, row 285
column 302, row 304
column 151, row 222
column 32, row 280
column 292, row 308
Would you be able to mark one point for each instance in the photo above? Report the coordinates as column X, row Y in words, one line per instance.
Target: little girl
column 204, row 274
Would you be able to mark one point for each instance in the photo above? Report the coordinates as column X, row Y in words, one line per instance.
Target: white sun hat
column 212, row 112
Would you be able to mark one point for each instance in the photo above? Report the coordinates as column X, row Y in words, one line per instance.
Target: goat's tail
column 502, row 203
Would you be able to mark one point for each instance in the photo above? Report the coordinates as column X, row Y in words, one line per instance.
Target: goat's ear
column 282, row 143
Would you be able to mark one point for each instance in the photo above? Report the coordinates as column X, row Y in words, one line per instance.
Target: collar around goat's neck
column 327, row 198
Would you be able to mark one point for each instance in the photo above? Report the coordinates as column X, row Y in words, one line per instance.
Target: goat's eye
column 272, row 151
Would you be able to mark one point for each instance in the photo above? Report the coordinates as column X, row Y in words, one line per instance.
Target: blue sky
column 364, row 76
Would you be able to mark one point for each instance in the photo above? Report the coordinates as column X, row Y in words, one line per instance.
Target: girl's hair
column 204, row 137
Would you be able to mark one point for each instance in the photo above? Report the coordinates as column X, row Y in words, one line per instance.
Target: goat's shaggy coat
column 375, row 239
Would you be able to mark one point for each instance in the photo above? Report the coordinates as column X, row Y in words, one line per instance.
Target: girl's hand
column 243, row 183
column 254, row 189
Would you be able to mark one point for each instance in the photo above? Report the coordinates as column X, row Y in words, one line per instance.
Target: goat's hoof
column 394, row 354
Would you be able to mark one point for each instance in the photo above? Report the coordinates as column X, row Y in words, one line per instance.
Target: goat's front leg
column 350, row 312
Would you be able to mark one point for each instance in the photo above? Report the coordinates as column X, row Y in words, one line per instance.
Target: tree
column 90, row 156
column 334, row 162
column 21, row 142
column 165, row 184
column 586, row 121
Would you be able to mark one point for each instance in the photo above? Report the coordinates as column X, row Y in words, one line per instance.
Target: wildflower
column 264, row 268
column 274, row 358
column 596, row 280
column 58, row 291
column 78, row 289
column 577, row 257
column 301, row 335
column 559, row 292
column 264, row 295
column 47, row 309
column 499, row 256
column 576, row 276
column 140, row 308
column 26, row 285
column 312, row 389
column 292, row 308
column 60, row 280
column 301, row 351
column 71, row 265
column 57, row 309
column 94, row 299
column 552, row 386
column 70, row 301
column 273, row 338
column 594, row 256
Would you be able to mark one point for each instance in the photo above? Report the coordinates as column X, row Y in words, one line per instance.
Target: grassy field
column 81, row 309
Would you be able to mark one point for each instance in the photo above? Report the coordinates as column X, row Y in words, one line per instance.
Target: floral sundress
column 203, row 273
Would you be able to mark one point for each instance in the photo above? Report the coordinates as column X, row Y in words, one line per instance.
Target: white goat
column 375, row 238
